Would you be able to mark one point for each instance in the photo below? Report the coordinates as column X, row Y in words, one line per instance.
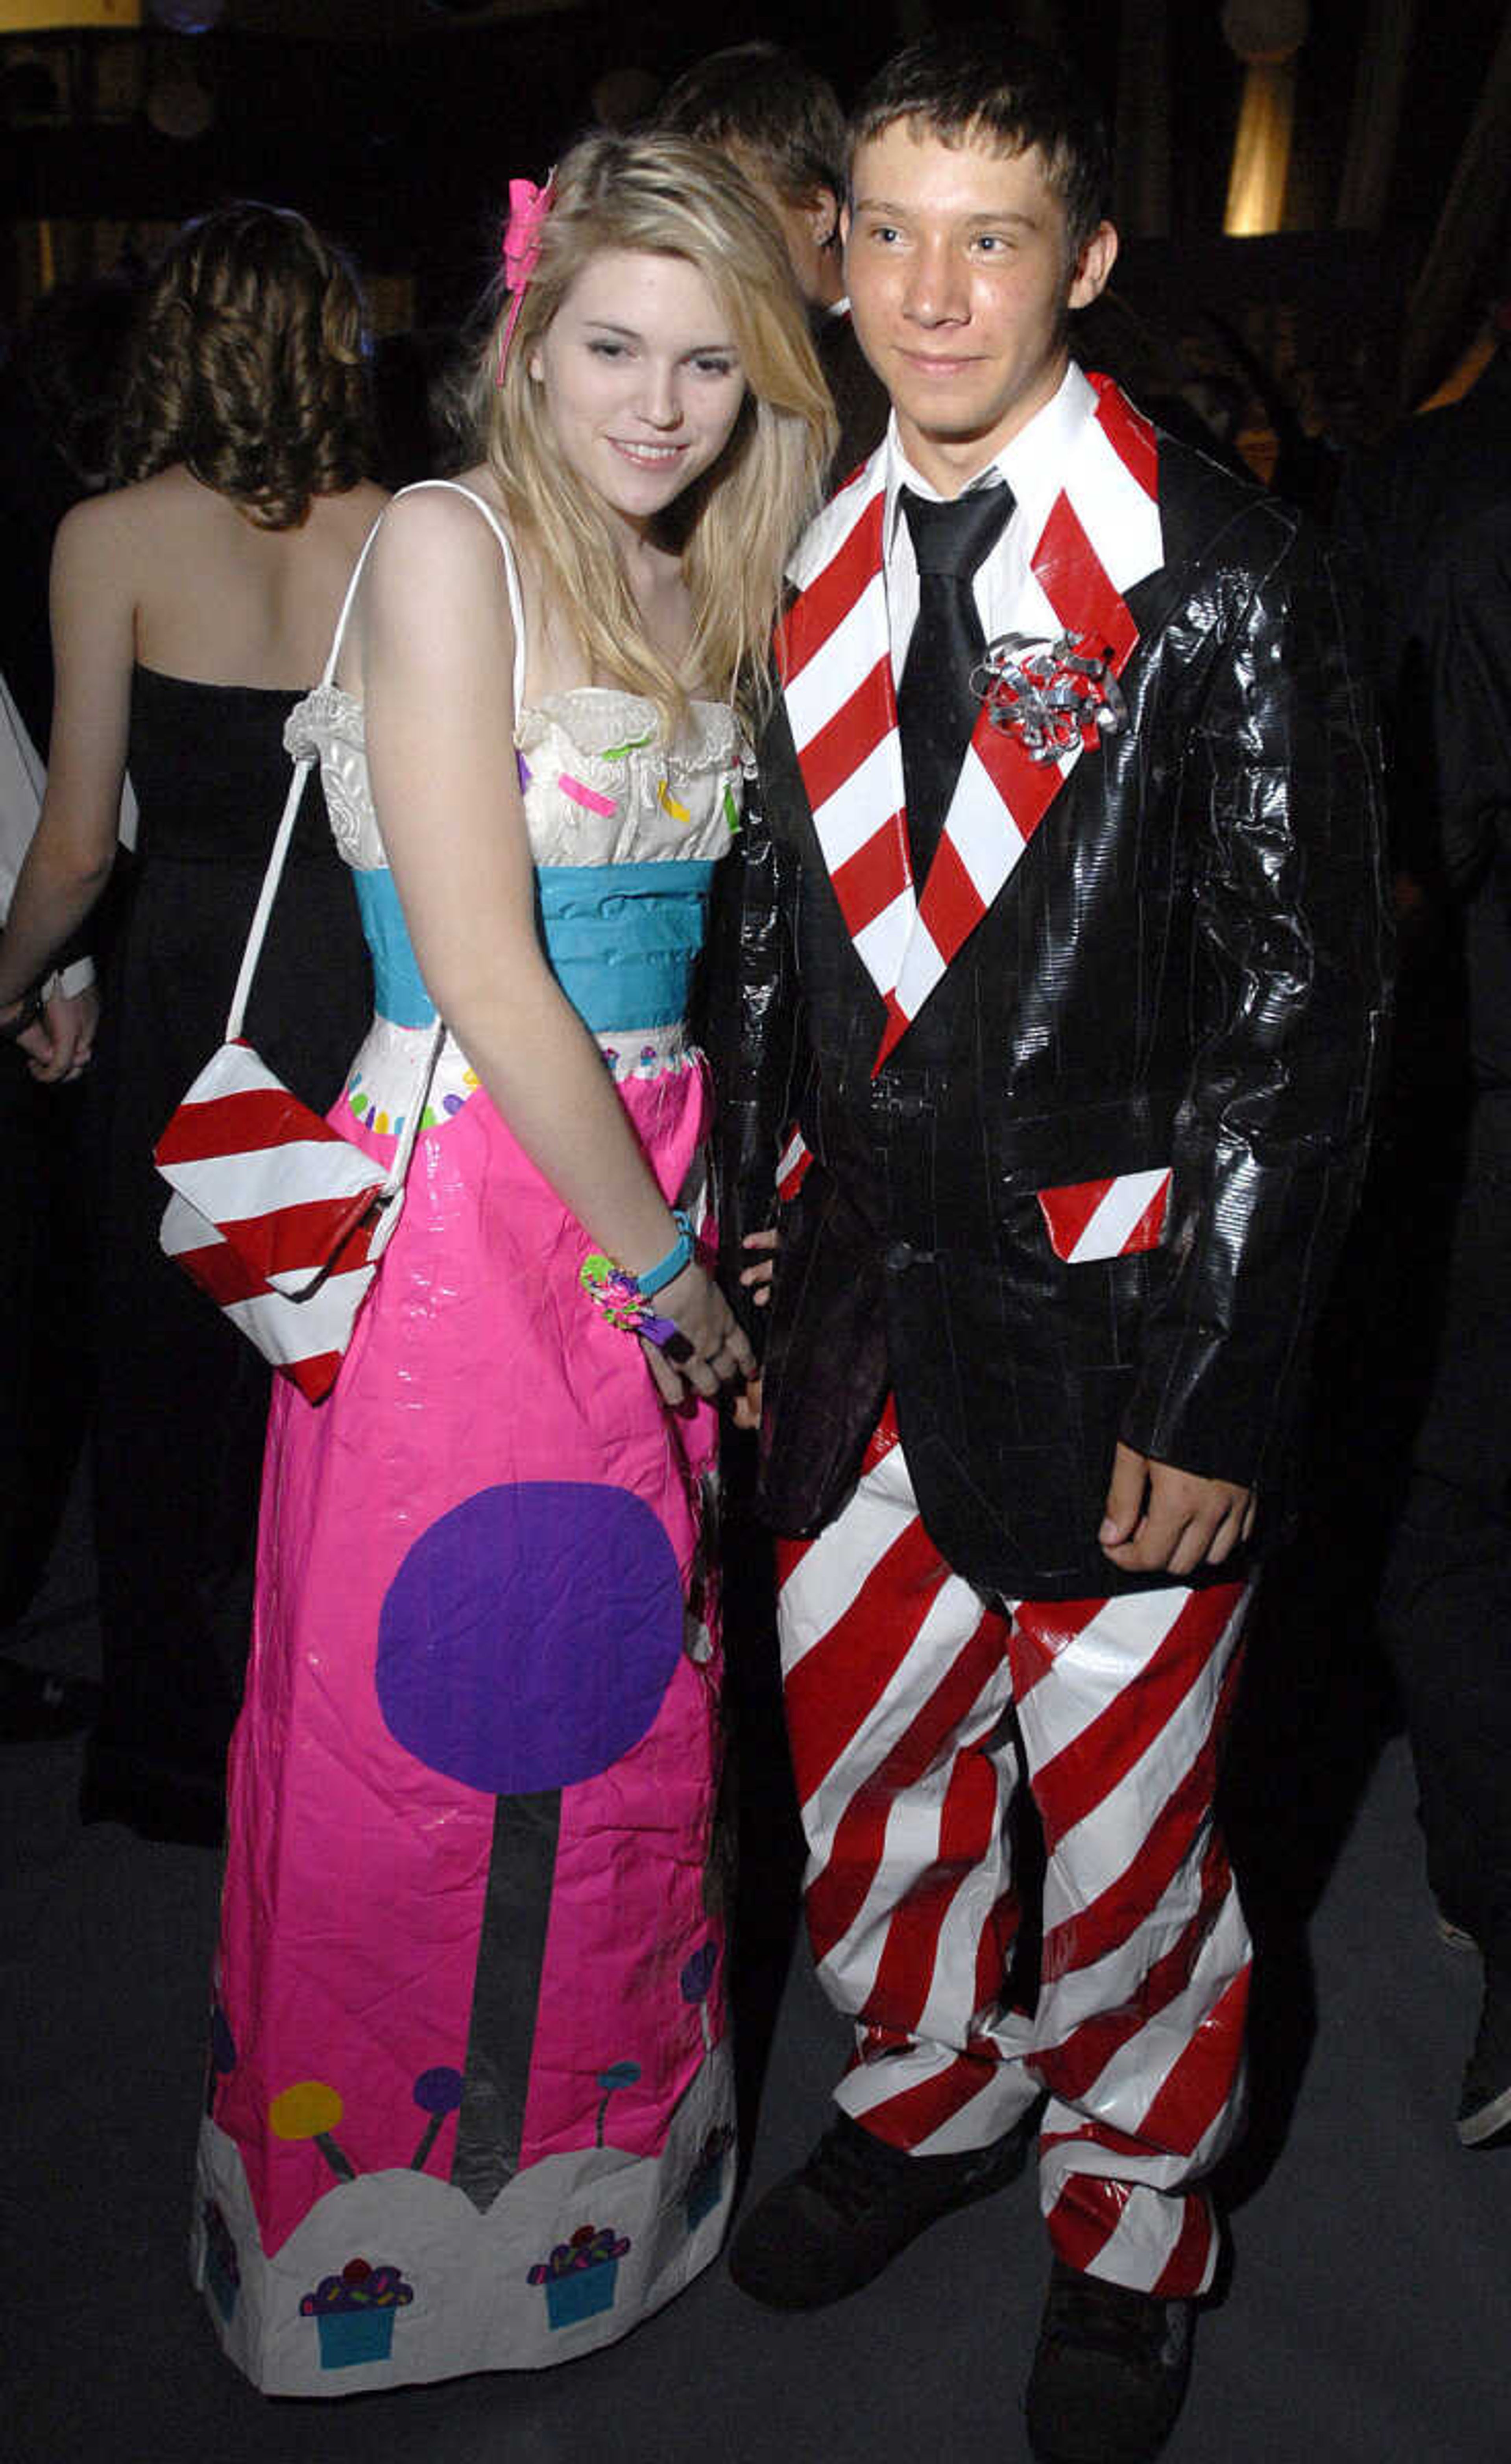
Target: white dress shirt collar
column 1032, row 462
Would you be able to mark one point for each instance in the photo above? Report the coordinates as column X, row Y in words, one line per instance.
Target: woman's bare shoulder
column 149, row 526
column 118, row 515
column 435, row 536
column 106, row 542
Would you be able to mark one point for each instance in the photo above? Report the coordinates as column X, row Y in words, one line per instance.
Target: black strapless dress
column 183, row 1397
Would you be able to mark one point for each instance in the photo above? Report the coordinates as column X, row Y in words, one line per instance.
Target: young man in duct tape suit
column 1065, row 961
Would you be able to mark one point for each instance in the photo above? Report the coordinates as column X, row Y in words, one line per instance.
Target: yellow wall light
column 43, row 17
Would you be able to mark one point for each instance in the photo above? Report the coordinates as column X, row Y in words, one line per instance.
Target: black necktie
column 936, row 708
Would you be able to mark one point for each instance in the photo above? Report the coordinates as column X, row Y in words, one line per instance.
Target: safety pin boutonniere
column 1054, row 696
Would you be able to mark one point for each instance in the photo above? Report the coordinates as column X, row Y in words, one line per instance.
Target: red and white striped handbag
column 276, row 1217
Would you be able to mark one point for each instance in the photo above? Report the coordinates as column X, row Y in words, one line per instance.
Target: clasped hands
column 1156, row 1519
column 710, row 1354
column 61, row 1042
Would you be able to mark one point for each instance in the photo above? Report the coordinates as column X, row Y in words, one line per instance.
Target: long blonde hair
column 667, row 196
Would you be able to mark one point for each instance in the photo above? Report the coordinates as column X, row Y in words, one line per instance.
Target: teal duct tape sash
column 621, row 939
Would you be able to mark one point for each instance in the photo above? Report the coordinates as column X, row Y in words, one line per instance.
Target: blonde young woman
column 192, row 605
column 471, row 2094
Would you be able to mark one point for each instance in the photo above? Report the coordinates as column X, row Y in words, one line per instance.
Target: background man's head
column 781, row 125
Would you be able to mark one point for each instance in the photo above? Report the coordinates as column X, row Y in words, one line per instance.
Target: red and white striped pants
column 901, row 1684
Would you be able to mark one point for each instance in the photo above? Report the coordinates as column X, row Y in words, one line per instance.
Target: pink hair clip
column 528, row 208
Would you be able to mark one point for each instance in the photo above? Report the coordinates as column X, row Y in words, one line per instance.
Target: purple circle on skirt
column 529, row 1636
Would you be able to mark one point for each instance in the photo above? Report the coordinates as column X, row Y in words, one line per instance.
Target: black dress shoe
column 1484, row 2111
column 828, row 2229
column 1109, row 2374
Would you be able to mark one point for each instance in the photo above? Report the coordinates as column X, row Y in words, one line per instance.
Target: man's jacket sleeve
column 1281, row 793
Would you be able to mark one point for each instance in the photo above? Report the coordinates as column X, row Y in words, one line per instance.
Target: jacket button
column 899, row 1257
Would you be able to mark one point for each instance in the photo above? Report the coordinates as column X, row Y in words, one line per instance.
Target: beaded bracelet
column 625, row 1299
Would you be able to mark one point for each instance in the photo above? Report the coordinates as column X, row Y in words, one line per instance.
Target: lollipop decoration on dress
column 310, row 2109
column 475, row 1599
column 618, row 2074
column 437, row 2092
column 528, row 208
column 1054, row 696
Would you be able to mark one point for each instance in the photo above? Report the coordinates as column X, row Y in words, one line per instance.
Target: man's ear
column 1093, row 266
column 822, row 211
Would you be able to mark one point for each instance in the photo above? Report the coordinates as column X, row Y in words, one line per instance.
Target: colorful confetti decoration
column 587, row 797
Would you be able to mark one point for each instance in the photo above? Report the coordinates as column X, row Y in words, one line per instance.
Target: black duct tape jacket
column 1189, row 967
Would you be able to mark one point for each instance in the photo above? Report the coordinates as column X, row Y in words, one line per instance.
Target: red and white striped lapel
column 1101, row 537
column 834, row 659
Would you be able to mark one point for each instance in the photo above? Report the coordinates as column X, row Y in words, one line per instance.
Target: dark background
column 396, row 124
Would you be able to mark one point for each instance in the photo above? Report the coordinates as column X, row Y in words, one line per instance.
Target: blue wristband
column 678, row 1256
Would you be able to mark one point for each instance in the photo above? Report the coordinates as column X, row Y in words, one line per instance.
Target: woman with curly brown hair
column 192, row 605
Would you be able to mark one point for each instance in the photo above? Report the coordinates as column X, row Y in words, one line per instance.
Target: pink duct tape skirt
column 470, row 2103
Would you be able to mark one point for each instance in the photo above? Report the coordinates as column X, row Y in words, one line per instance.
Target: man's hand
column 755, row 1278
column 1159, row 1520
column 746, row 1412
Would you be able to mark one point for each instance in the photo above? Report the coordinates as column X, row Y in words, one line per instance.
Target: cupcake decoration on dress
column 355, row 2313
column 222, row 2266
column 580, row 2275
column 706, row 2181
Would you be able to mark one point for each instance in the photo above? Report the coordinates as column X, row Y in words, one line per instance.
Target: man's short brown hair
column 976, row 83
column 763, row 98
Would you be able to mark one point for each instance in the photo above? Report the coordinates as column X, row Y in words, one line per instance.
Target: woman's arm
column 436, row 655
column 70, row 858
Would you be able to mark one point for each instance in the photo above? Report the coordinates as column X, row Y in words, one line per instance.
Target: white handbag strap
column 283, row 835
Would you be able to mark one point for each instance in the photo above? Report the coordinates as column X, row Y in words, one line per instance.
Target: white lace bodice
column 599, row 786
